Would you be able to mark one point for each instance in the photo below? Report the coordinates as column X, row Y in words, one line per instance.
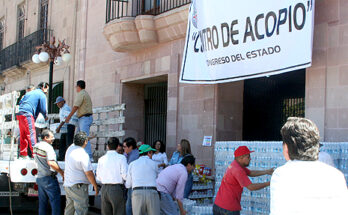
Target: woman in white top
column 160, row 156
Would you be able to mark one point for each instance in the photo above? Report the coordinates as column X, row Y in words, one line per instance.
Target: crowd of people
column 129, row 172
column 138, row 179
column 133, row 182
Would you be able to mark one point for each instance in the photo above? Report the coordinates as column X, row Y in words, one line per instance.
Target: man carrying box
column 227, row 201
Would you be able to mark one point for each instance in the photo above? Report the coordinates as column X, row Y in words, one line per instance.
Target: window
column 151, row 6
column 43, row 14
column 155, row 112
column 20, row 22
column 2, row 31
column 269, row 101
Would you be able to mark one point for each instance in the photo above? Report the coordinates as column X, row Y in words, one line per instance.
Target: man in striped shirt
column 46, row 160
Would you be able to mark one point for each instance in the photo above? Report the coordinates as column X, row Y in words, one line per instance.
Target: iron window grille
column 23, row 49
column 2, row 31
column 116, row 9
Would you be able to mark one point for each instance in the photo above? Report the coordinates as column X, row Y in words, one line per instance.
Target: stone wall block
column 190, row 122
column 121, row 34
column 332, row 78
column 336, row 135
column 343, row 118
column 343, row 7
column 327, row 11
column 193, row 93
column 343, row 34
column 343, row 75
column 331, row 118
column 332, row 56
column 317, row 116
column 146, row 29
column 172, row 104
column 161, row 22
column 315, row 97
column 319, row 58
column 316, row 78
column 163, row 64
column 320, row 36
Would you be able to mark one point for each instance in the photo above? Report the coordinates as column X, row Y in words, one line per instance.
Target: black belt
column 86, row 115
column 112, row 184
column 145, row 188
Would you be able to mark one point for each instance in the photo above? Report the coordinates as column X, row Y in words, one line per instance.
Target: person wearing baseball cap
column 67, row 130
column 228, row 198
column 141, row 177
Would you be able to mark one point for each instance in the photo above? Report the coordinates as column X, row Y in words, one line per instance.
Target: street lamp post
column 56, row 54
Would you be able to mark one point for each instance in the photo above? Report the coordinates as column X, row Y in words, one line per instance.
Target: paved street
column 30, row 206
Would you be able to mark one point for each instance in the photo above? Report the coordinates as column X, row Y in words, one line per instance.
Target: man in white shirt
column 78, row 174
column 305, row 185
column 141, row 177
column 112, row 172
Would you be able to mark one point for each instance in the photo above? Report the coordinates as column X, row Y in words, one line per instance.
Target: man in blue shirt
column 33, row 103
column 66, row 129
column 132, row 153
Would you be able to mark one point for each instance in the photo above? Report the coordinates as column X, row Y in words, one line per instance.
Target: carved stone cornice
column 128, row 33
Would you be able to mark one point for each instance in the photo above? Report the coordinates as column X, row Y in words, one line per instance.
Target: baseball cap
column 242, row 150
column 59, row 99
column 145, row 148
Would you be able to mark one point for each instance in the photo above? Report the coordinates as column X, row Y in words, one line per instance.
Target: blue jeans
column 129, row 202
column 48, row 191
column 168, row 206
column 66, row 139
column 188, row 185
column 85, row 123
column 220, row 211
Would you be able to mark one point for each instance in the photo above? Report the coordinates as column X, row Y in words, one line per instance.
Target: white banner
column 231, row 40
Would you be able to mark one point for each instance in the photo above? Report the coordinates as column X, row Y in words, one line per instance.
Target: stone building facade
column 141, row 49
column 40, row 20
column 123, row 49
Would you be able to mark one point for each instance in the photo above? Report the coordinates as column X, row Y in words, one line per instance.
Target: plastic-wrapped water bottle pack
column 193, row 208
column 267, row 155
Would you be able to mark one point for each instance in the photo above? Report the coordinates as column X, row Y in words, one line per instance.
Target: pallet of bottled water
column 267, row 155
column 193, row 208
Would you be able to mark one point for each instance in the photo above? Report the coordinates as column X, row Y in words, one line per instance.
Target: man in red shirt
column 227, row 201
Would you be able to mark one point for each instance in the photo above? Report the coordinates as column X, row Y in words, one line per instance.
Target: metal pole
column 50, row 95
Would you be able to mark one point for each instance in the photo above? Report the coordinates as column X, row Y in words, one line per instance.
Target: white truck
column 18, row 177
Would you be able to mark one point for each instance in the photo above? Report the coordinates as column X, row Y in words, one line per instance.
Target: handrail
column 22, row 50
column 116, row 9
